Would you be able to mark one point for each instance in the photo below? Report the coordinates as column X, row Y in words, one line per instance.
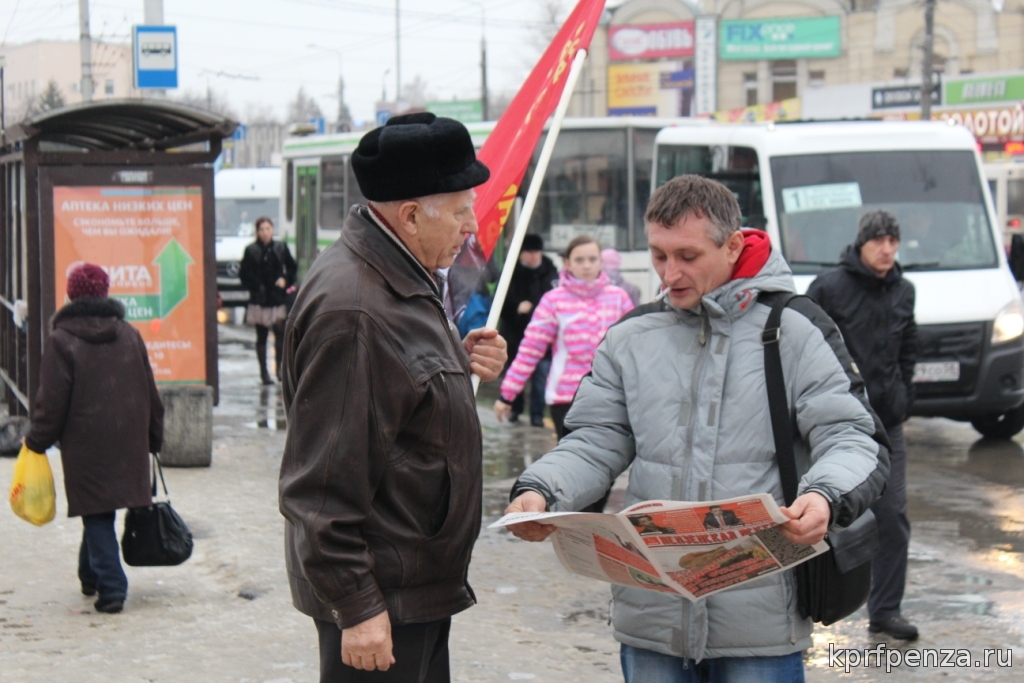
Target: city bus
column 807, row 184
column 598, row 183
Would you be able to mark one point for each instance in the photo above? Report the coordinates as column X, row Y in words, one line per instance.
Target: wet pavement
column 225, row 615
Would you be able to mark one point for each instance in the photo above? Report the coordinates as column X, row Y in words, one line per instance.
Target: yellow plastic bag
column 32, row 495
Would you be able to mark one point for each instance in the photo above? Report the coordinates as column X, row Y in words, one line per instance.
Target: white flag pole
column 512, row 258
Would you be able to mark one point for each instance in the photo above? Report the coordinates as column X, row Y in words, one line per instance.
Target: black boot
column 261, row 356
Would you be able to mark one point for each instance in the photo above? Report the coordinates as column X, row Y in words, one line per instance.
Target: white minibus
column 807, row 184
column 242, row 195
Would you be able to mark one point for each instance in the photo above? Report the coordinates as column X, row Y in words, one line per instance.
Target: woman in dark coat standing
column 268, row 271
column 98, row 398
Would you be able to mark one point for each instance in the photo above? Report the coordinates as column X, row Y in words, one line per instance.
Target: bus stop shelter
column 128, row 185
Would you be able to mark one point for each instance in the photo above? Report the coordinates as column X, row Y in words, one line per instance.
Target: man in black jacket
column 873, row 305
column 533, row 277
column 381, row 476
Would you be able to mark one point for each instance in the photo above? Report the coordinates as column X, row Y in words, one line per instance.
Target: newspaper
column 691, row 549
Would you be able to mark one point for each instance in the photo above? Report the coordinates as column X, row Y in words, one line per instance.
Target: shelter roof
column 122, row 124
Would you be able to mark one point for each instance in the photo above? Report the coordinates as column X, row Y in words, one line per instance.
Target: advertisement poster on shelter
column 149, row 240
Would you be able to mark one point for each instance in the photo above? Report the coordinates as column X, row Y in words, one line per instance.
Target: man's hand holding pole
column 367, row 645
column 530, row 501
column 487, row 353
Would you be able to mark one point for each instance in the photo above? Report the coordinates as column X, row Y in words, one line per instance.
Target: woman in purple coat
column 97, row 398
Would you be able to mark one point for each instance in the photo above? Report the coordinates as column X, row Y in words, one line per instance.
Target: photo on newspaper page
column 692, row 549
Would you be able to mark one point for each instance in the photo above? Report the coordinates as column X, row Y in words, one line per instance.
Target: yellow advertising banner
column 634, row 89
column 149, row 240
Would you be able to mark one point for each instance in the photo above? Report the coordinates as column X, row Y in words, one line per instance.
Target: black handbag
column 835, row 584
column 155, row 536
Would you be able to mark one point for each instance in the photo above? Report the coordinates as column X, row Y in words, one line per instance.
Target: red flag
column 509, row 148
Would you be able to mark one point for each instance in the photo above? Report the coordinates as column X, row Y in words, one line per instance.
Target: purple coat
column 98, row 398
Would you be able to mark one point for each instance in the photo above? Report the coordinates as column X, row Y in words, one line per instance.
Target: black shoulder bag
column 835, row 584
column 155, row 536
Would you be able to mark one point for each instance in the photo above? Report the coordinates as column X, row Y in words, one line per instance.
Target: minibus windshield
column 235, row 217
column 936, row 195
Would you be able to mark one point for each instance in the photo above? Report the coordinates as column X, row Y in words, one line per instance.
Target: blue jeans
column 99, row 558
column 647, row 666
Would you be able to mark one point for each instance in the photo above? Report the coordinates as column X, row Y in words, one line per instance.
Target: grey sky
column 269, row 39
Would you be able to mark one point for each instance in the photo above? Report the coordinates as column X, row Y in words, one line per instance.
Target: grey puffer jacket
column 680, row 395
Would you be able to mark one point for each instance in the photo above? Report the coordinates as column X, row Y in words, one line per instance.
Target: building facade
column 742, row 53
column 31, row 66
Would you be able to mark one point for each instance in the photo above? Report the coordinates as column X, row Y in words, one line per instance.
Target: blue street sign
column 240, row 132
column 320, row 123
column 382, row 117
column 155, row 49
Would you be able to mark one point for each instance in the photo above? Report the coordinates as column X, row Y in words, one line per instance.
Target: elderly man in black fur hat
column 382, row 470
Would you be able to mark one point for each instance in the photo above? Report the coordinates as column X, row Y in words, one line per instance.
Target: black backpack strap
column 778, row 403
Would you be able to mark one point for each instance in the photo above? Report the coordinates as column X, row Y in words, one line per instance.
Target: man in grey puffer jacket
column 706, row 434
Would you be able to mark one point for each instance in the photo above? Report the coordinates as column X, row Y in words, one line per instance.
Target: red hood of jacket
column 757, row 246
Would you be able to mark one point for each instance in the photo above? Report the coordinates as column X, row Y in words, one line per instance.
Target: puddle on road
column 509, row 448
column 270, row 410
column 243, row 400
column 961, row 487
column 986, row 531
column 950, row 606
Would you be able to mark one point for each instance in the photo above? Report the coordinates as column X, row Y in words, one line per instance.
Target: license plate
column 937, row 372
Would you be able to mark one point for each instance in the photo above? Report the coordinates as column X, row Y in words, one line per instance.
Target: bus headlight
column 1009, row 323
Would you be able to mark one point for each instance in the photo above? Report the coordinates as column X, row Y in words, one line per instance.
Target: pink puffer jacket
column 573, row 319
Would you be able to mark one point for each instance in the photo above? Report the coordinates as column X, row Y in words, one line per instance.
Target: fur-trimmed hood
column 95, row 321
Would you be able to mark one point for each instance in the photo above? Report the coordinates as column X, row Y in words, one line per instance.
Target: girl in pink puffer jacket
column 573, row 319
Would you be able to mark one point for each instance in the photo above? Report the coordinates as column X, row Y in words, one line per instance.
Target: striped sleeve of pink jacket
column 540, row 334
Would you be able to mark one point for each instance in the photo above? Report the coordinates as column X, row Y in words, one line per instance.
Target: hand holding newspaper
column 692, row 549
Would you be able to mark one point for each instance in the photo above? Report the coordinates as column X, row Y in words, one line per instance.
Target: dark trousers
column 558, row 413
column 420, row 650
column 538, row 382
column 262, row 334
column 99, row 557
column 889, row 567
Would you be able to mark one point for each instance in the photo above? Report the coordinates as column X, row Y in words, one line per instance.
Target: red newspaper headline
column 510, row 146
column 707, row 538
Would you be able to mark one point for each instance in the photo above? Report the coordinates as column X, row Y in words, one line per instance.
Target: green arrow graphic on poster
column 174, row 262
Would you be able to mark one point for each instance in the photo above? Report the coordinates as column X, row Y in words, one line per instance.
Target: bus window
column 354, row 195
column 735, row 167
column 585, row 190
column 643, row 160
column 306, row 218
column 332, row 193
column 289, row 194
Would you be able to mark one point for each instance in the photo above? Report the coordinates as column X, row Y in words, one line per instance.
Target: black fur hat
column 416, row 155
column 532, row 242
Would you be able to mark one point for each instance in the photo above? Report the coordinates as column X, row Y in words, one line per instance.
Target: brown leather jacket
column 382, row 474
